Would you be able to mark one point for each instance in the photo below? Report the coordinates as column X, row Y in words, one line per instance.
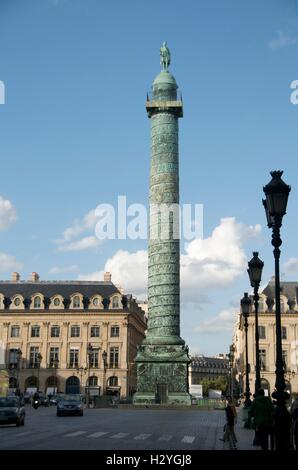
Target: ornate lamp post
column 81, row 370
column 39, row 359
column 89, row 354
column 245, row 306
column 231, row 360
column 255, row 267
column 275, row 204
column 55, row 365
column 104, row 359
column 19, row 358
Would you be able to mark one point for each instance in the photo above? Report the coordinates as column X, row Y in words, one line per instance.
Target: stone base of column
column 162, row 375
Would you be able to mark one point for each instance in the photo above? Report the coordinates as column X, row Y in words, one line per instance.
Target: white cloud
column 9, row 263
column 291, row 266
column 78, row 227
column 128, row 270
column 65, row 269
column 215, row 261
column 208, row 263
column 222, row 322
column 8, row 215
column 282, row 40
column 84, row 244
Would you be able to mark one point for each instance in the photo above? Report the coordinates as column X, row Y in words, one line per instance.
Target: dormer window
column 115, row 303
column 96, row 302
column 56, row 301
column 17, row 301
column 76, row 302
column 37, row 302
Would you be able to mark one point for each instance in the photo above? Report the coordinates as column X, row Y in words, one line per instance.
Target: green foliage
column 219, row 383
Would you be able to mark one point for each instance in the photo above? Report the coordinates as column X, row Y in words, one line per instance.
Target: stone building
column 267, row 341
column 202, row 367
column 74, row 336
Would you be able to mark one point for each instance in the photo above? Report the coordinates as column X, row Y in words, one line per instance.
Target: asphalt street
column 115, row 429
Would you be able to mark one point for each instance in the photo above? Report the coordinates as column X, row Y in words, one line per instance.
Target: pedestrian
column 294, row 413
column 262, row 412
column 231, row 418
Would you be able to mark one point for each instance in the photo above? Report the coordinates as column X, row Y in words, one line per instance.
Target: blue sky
column 74, row 133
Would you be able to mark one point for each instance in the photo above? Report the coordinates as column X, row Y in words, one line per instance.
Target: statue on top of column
column 165, row 56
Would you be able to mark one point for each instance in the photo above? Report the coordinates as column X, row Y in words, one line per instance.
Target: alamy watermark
column 167, row 221
column 2, row 92
column 294, row 94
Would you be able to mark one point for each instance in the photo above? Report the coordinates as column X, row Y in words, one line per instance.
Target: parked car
column 70, row 405
column 12, row 411
column 54, row 400
column 28, row 396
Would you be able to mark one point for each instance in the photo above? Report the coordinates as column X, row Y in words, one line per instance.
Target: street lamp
column 39, row 359
column 104, row 358
column 255, row 267
column 275, row 204
column 81, row 370
column 231, row 359
column 245, row 306
column 55, row 365
column 89, row 354
column 19, row 357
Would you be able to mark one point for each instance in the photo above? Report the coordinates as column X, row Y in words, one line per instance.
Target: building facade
column 70, row 336
column 267, row 341
column 202, row 367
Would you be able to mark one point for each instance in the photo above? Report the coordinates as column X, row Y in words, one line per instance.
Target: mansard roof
column 288, row 289
column 63, row 288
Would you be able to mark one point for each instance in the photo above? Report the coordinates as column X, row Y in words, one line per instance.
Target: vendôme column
column 162, row 360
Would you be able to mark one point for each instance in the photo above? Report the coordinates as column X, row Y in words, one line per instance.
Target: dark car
column 12, row 411
column 70, row 405
column 43, row 399
column 54, row 400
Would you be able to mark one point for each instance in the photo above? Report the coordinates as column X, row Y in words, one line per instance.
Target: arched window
column 115, row 303
column 76, row 302
column 37, row 302
column 93, row 381
column 113, row 381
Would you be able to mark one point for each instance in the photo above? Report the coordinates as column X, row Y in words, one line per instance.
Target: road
column 115, row 429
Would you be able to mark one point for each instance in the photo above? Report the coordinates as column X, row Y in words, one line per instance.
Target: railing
column 211, row 403
column 150, row 96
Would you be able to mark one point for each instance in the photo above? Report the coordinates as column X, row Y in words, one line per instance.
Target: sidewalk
column 244, row 436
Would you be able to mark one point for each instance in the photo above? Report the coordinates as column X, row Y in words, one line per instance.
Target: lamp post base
column 282, row 421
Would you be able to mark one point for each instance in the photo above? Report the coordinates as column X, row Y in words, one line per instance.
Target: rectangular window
column 283, row 332
column 35, row 331
column 75, row 332
column 54, row 357
column 115, row 331
column 15, row 331
column 93, row 358
column 73, row 358
column 55, row 331
column 285, row 359
column 94, row 331
column 13, row 359
column 114, row 358
column 262, row 354
column 262, row 332
column 34, row 356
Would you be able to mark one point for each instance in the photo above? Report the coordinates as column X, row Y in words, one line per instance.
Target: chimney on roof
column 34, row 277
column 15, row 276
column 107, row 277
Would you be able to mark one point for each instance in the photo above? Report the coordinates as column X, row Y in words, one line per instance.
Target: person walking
column 294, row 414
column 231, row 419
column 262, row 412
